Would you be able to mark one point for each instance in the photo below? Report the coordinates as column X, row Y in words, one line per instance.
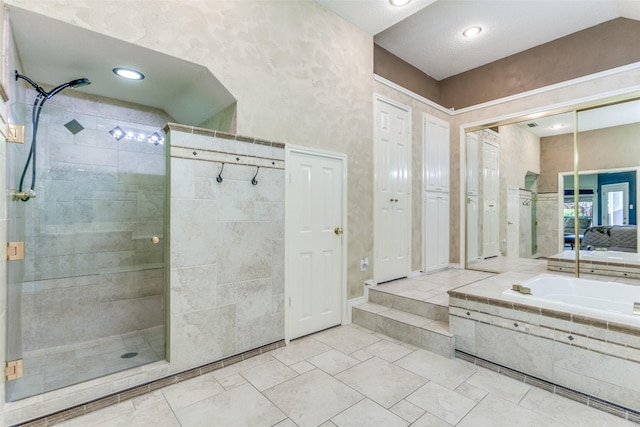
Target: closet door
column 490, row 201
column 436, row 154
column 392, row 219
column 436, row 215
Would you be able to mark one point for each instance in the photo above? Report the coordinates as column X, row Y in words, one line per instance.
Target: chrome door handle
column 338, row 230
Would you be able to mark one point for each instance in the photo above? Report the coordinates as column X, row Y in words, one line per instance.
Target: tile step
column 426, row 309
column 422, row 332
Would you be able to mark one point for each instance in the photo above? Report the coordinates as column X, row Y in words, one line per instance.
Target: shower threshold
column 54, row 368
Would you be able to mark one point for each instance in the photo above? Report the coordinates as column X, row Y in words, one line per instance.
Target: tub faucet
column 636, row 308
column 522, row 289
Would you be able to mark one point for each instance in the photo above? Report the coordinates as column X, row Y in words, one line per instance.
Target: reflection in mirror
column 508, row 194
column 521, row 201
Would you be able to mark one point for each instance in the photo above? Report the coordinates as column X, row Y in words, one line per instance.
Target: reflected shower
column 41, row 98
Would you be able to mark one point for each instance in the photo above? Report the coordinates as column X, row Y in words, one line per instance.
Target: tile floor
column 349, row 376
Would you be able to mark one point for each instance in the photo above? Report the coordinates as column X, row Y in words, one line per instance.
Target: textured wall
column 608, row 45
column 301, row 75
column 389, row 66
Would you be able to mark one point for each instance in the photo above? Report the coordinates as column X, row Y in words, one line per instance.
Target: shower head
column 78, row 83
column 72, row 84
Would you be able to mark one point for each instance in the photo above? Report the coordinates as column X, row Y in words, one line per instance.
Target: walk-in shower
column 87, row 300
column 41, row 98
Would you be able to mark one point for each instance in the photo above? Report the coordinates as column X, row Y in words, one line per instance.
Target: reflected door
column 615, row 201
column 490, row 201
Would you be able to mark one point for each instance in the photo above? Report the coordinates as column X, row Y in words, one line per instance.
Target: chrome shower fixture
column 42, row 96
column 43, row 93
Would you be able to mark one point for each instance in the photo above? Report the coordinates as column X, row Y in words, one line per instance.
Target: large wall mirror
column 522, row 203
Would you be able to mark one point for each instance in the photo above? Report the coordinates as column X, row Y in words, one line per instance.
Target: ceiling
column 188, row 92
column 428, row 33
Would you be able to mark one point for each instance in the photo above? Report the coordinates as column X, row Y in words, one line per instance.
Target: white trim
column 345, row 314
column 411, row 94
column 567, row 83
column 378, row 97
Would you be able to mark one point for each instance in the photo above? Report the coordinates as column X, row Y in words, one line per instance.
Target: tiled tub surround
column 605, row 263
column 226, row 246
column 588, row 355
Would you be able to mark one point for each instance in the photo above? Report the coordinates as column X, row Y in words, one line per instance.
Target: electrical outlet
column 364, row 263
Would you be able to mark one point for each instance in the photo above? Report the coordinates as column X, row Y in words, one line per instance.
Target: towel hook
column 254, row 181
column 219, row 177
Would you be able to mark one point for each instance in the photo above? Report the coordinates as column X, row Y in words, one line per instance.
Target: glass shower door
column 88, row 298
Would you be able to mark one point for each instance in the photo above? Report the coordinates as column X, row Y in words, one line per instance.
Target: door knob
column 155, row 240
column 338, row 230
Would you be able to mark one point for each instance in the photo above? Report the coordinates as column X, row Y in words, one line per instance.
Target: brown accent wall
column 389, row 66
column 602, row 47
column 599, row 48
column 610, row 148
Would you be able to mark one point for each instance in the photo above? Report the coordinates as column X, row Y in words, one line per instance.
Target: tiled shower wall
column 226, row 246
column 549, row 230
column 90, row 270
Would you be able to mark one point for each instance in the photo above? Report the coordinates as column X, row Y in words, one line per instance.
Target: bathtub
column 607, row 301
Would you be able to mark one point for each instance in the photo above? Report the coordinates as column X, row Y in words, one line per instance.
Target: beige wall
column 301, row 75
column 609, row 148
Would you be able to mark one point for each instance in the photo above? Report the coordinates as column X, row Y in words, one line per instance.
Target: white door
column 315, row 241
column 615, row 204
column 513, row 222
column 436, row 215
column 392, row 218
column 436, row 154
column 490, row 178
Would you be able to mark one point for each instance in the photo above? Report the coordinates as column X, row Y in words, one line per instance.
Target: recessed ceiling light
column 399, row 2
column 558, row 126
column 472, row 31
column 128, row 73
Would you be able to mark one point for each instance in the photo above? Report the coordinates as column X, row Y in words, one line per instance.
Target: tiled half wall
column 226, row 248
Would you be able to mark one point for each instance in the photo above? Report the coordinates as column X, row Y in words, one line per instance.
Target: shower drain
column 129, row 355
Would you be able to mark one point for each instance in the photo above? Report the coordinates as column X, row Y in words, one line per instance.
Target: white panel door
column 314, row 263
column 490, row 232
column 436, row 214
column 392, row 191
column 472, row 165
column 436, row 154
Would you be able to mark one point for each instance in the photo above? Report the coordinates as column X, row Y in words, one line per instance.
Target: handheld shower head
column 79, row 83
column 72, row 84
